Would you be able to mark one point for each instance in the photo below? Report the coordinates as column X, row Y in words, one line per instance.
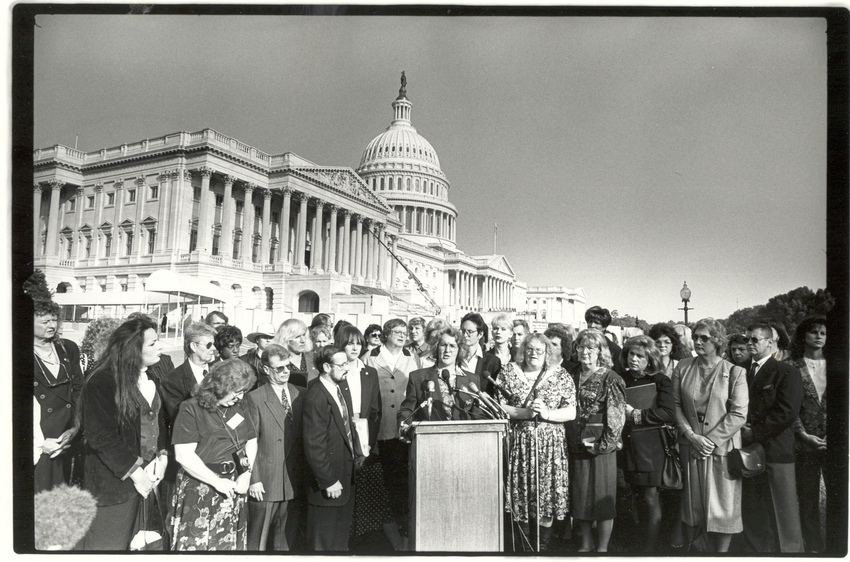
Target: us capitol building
column 205, row 221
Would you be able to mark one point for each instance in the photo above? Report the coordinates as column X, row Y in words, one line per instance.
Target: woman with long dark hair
column 125, row 434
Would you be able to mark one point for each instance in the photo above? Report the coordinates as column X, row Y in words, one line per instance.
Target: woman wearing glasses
column 543, row 397
column 594, row 437
column 372, row 336
column 56, row 386
column 293, row 335
column 215, row 444
column 711, row 398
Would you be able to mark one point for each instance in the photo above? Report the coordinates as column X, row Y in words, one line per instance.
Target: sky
column 623, row 156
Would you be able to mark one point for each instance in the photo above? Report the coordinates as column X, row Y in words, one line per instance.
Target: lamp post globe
column 685, row 293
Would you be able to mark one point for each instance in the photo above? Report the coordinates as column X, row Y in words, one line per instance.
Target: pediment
column 344, row 179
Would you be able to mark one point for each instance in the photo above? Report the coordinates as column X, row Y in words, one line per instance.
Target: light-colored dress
column 712, row 403
column 556, row 390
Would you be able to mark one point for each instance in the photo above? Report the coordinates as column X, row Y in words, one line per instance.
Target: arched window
column 308, row 301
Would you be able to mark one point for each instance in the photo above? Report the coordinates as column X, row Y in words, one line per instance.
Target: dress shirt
column 332, row 388
column 354, row 386
column 471, row 363
column 198, row 370
column 760, row 363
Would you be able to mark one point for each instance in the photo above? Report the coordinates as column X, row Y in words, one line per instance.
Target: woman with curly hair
column 594, row 438
column 543, row 397
column 95, row 340
column 215, row 444
column 126, row 440
column 669, row 346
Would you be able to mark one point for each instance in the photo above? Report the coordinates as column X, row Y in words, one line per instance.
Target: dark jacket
column 256, row 362
column 326, row 447
column 370, row 401
column 280, row 453
column 812, row 418
column 177, row 386
column 113, row 449
column 417, row 393
column 776, row 393
column 59, row 402
column 491, row 364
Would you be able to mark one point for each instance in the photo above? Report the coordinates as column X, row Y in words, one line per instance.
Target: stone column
column 117, row 216
column 332, row 240
column 204, row 209
column 345, row 268
column 358, row 249
column 36, row 220
column 162, row 224
column 316, row 266
column 248, row 224
column 267, row 226
column 141, row 185
column 78, row 222
column 393, row 262
column 302, row 230
column 228, row 217
column 380, row 255
column 53, row 218
column 369, row 250
column 284, row 223
column 98, row 220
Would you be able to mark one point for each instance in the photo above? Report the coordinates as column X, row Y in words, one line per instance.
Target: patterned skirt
column 552, row 475
column 371, row 509
column 203, row 519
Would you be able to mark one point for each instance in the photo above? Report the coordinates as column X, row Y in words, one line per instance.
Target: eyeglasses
column 702, row 337
column 339, row 364
column 278, row 370
column 374, row 335
column 208, row 345
column 398, row 332
column 755, row 340
column 469, row 332
column 583, row 348
column 534, row 351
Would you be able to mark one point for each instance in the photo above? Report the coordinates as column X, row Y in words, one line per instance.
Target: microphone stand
column 536, row 480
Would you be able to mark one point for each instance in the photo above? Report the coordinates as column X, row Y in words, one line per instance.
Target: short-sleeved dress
column 593, row 486
column 201, row 517
column 557, row 391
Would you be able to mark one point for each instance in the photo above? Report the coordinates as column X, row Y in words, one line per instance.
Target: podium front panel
column 457, row 502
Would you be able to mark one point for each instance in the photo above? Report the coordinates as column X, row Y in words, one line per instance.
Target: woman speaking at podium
column 542, row 398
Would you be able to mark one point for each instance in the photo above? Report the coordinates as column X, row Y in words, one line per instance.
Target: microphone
column 446, row 377
column 488, row 400
column 430, row 399
column 476, row 401
column 487, row 377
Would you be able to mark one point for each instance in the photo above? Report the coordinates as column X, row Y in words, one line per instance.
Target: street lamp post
column 685, row 293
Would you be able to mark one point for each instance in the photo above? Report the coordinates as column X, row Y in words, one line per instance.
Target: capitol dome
column 402, row 167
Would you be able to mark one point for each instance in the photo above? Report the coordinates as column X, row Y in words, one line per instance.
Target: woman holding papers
column 711, row 398
column 649, row 407
column 543, row 397
column 594, row 438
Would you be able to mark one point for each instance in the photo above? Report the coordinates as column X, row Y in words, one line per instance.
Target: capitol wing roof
column 344, row 180
column 496, row 262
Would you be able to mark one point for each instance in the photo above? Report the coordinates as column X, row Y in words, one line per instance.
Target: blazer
column 177, row 386
column 726, row 410
column 255, row 361
column 59, row 403
column 301, row 378
column 326, row 448
column 812, row 418
column 776, row 393
column 113, row 450
column 370, row 401
column 417, row 393
column 280, row 454
column 492, row 364
column 393, row 384
column 161, row 368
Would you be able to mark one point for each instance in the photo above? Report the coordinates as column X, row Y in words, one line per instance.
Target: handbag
column 149, row 539
column 671, row 471
column 747, row 462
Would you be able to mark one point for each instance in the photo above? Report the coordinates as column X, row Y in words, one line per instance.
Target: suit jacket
column 302, row 378
column 370, row 401
column 393, row 384
column 58, row 403
column 492, row 364
column 417, row 393
column 725, row 412
column 177, row 386
column 326, row 447
column 278, row 443
column 255, row 361
column 112, row 449
column 776, row 393
column 812, row 418
column 159, row 370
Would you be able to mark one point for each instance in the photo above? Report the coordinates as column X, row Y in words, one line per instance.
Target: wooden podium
column 457, row 499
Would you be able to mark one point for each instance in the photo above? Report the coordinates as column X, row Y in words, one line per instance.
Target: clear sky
column 620, row 155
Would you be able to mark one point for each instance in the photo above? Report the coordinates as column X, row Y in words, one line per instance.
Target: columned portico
column 318, row 234
column 228, row 215
column 248, row 224
column 204, row 226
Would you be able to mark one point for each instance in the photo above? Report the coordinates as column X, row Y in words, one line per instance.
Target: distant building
column 262, row 237
column 556, row 304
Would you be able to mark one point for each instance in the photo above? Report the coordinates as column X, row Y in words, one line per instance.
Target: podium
column 457, row 501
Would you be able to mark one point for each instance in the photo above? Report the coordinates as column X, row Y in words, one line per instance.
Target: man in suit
column 199, row 347
column 473, row 360
column 770, row 511
column 332, row 450
column 275, row 502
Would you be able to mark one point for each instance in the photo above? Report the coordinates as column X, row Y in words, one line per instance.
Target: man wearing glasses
column 275, row 497
column 332, row 450
column 199, row 347
column 770, row 512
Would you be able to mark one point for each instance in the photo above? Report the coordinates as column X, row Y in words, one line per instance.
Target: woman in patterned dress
column 594, row 438
column 543, row 397
column 215, row 444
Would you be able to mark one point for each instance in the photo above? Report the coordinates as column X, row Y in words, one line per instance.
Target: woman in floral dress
column 543, row 397
column 215, row 444
column 594, row 438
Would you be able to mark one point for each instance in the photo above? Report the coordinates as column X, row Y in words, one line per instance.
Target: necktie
column 345, row 421
column 753, row 368
column 286, row 408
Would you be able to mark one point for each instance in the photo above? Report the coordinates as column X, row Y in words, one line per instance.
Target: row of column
column 422, row 220
column 479, row 292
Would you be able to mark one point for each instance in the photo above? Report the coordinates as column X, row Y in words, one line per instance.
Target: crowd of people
column 302, row 443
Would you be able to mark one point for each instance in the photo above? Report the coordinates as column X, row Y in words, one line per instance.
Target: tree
column 789, row 308
column 739, row 320
column 628, row 321
column 36, row 287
